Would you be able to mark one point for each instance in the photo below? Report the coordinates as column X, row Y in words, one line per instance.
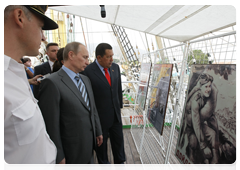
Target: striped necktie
column 82, row 89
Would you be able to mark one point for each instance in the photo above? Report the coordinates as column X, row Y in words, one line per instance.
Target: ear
column 71, row 55
column 19, row 17
column 99, row 57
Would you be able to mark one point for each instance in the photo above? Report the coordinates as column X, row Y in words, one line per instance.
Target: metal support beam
column 160, row 46
column 183, row 72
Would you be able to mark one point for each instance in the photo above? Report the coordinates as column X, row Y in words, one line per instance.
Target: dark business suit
column 42, row 69
column 108, row 101
column 70, row 125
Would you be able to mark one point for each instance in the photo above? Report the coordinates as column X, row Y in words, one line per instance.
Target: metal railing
column 214, row 50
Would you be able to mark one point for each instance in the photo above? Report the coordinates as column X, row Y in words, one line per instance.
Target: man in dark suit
column 107, row 89
column 67, row 104
column 46, row 67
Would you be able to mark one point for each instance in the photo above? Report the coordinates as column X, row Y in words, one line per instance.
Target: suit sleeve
column 98, row 127
column 120, row 95
column 36, row 87
column 49, row 103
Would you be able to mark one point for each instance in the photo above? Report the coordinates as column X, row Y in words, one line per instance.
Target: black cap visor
column 49, row 24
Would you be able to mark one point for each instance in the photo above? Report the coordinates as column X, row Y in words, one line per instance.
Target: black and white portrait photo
column 208, row 126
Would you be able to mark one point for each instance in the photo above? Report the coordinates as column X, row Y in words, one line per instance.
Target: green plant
column 199, row 56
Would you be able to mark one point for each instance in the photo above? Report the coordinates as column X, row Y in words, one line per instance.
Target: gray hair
column 10, row 8
column 73, row 46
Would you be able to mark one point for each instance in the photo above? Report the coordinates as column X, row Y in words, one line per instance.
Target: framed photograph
column 208, row 126
column 143, row 84
column 161, row 80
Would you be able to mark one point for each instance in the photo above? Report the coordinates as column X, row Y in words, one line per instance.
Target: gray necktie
column 82, row 90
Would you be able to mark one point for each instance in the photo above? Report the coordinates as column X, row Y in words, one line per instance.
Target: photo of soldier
column 208, row 128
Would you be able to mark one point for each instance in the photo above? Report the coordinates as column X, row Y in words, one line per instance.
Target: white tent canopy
column 176, row 22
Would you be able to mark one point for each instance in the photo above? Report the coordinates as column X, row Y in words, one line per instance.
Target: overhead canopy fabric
column 176, row 22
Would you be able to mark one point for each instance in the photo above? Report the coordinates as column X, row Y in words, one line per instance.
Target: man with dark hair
column 67, row 104
column 27, row 65
column 49, row 45
column 25, row 138
column 59, row 62
column 107, row 89
column 46, row 67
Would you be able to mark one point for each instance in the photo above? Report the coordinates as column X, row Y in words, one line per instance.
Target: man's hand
column 99, row 140
column 34, row 81
column 60, row 165
column 207, row 153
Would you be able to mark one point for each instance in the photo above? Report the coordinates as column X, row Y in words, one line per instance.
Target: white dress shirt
column 51, row 64
column 25, row 138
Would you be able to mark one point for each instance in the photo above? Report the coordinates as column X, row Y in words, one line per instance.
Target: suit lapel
column 112, row 74
column 70, row 84
column 99, row 73
column 47, row 68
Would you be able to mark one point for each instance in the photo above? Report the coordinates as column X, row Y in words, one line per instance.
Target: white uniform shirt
column 25, row 138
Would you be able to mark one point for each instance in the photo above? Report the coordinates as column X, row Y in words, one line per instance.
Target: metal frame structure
column 149, row 143
column 125, row 43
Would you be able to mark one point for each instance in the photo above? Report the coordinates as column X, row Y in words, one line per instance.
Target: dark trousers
column 116, row 138
column 90, row 165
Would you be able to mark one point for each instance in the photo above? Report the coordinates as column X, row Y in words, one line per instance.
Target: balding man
column 68, row 107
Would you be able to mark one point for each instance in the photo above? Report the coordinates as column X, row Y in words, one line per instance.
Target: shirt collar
column 70, row 73
column 12, row 64
column 101, row 68
column 15, row 67
column 51, row 64
column 6, row 62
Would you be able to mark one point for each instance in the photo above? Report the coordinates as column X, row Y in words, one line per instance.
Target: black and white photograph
column 160, row 88
column 208, row 127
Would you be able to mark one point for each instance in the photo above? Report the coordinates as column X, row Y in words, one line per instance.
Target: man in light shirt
column 46, row 67
column 25, row 138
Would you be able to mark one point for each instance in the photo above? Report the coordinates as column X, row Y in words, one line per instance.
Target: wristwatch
column 27, row 69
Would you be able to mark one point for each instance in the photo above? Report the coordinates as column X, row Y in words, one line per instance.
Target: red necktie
column 107, row 76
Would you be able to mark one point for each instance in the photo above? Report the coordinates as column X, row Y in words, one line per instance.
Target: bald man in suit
column 67, row 104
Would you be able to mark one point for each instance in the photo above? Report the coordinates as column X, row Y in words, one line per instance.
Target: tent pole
column 183, row 72
column 83, row 32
